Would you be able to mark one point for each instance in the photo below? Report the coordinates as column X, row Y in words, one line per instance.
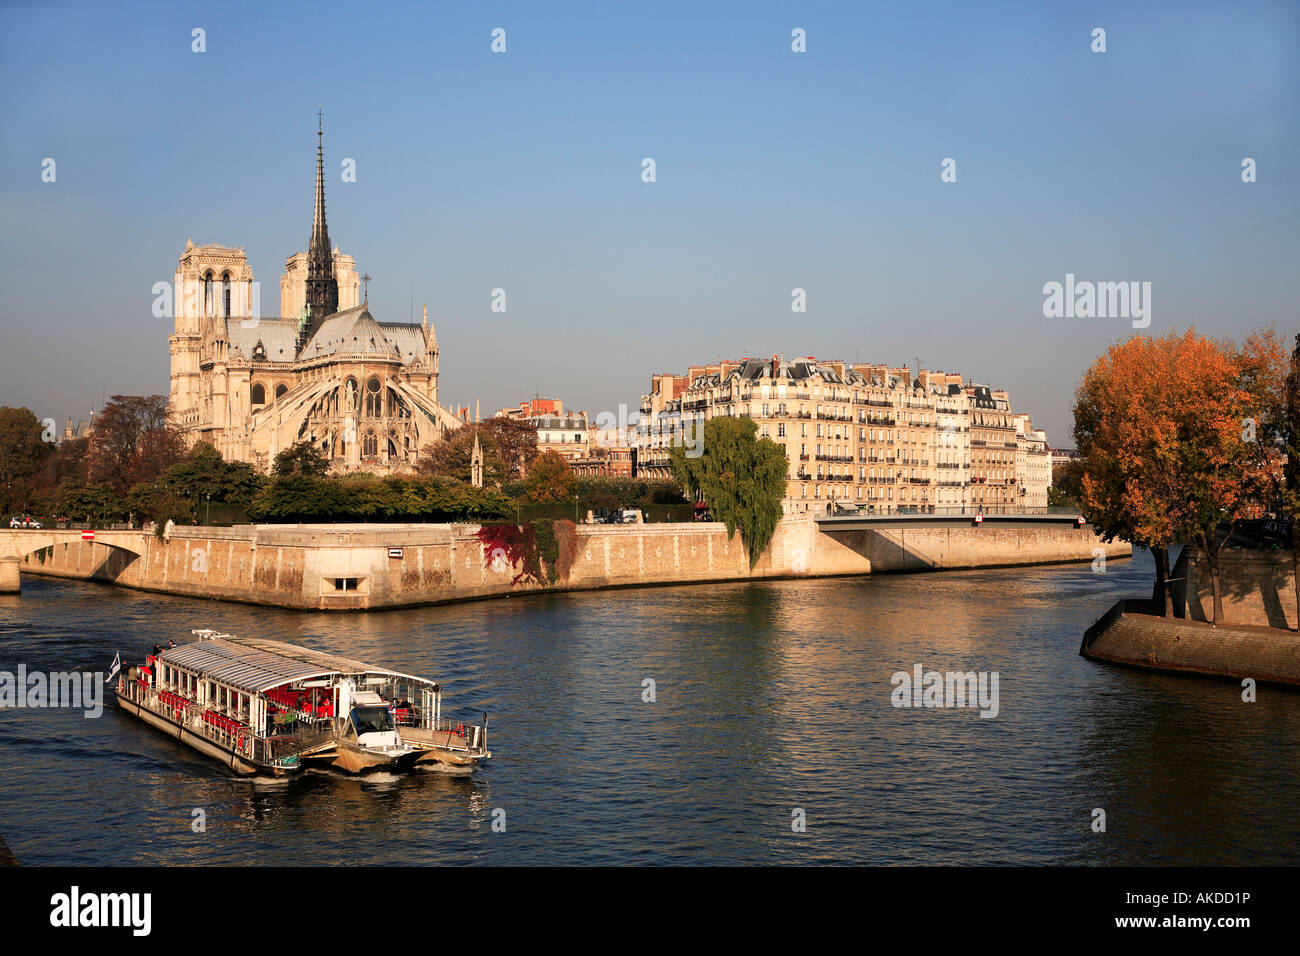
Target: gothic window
column 392, row 449
column 225, row 294
column 374, row 399
column 207, row 294
column 280, row 390
column 370, row 446
column 259, row 394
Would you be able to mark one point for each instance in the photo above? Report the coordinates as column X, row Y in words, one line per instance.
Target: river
column 771, row 737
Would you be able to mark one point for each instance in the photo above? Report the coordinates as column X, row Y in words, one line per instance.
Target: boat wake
column 445, row 769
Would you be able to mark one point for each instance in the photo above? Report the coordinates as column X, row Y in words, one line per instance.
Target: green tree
column 23, row 453
column 304, row 459
column 90, row 503
column 740, row 476
column 205, row 475
column 370, row 498
column 299, row 498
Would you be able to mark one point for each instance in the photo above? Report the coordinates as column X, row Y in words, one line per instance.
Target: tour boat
column 264, row 707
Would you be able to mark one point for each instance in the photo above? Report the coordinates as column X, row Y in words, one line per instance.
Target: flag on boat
column 117, row 666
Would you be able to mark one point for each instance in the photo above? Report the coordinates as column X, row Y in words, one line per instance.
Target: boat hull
column 171, row 728
column 444, row 747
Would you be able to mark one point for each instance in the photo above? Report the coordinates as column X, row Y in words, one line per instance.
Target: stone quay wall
column 357, row 567
column 1258, row 587
column 1131, row 634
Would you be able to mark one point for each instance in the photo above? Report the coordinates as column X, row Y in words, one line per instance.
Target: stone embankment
column 358, row 567
column 1254, row 638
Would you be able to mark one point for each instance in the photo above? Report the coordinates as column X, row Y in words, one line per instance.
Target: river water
column 772, row 706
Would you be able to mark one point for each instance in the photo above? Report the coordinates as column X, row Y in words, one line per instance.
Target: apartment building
column 557, row 430
column 873, row 438
column 1033, row 463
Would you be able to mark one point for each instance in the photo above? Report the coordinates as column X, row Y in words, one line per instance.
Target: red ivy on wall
column 542, row 550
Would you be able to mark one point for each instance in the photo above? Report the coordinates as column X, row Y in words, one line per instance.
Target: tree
column 1289, row 434
column 303, row 458
column 23, row 452
column 550, row 479
column 1124, row 441
column 1166, row 457
column 205, row 475
column 300, row 498
column 133, row 442
column 156, row 501
column 1222, row 466
column 90, row 503
column 742, row 478
column 1065, row 490
column 509, row 449
column 68, row 464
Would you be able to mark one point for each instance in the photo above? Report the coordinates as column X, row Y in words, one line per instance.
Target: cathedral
column 364, row 392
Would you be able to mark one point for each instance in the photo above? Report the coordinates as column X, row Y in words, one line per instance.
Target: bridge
column 953, row 518
column 16, row 544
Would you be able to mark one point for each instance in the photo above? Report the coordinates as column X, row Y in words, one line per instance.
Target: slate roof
column 751, row 370
column 407, row 339
column 277, row 337
column 351, row 332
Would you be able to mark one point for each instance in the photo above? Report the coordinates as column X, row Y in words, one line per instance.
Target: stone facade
column 293, row 283
column 364, row 392
column 868, row 437
column 1033, row 463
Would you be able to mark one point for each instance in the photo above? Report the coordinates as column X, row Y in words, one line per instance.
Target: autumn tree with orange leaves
column 1289, row 440
column 1168, row 430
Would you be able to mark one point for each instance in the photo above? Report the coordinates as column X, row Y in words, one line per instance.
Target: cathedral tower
column 322, row 291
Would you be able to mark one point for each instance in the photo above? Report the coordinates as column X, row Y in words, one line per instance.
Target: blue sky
column 775, row 170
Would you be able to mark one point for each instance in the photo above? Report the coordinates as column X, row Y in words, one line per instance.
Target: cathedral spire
column 322, row 286
column 320, row 234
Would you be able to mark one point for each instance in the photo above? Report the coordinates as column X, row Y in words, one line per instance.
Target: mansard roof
column 752, row 370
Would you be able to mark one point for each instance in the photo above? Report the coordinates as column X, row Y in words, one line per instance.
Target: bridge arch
column 17, row 544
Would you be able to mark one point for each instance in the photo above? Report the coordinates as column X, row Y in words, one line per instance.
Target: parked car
column 629, row 515
column 25, row 521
